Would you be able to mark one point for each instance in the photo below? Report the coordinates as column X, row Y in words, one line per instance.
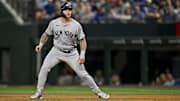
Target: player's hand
column 82, row 57
column 81, row 60
column 38, row 47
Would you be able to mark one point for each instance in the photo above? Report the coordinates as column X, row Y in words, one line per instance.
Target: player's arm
column 83, row 47
column 43, row 40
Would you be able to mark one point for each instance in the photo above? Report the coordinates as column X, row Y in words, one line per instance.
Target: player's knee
column 84, row 76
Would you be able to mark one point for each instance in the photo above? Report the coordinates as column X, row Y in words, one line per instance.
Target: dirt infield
column 90, row 97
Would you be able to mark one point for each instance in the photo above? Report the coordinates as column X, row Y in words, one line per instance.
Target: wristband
column 82, row 55
column 40, row 44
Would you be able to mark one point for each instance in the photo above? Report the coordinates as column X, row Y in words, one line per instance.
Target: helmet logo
column 67, row 5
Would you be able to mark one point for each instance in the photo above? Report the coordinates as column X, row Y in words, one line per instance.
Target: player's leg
column 85, row 77
column 49, row 62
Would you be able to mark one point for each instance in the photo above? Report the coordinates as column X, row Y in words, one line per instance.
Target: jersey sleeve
column 49, row 30
column 81, row 33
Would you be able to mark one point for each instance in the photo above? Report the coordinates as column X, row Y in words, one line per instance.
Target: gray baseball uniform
column 65, row 40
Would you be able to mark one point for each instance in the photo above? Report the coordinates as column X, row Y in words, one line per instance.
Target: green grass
column 86, row 90
column 124, row 90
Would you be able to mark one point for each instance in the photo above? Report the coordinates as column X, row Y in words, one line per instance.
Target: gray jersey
column 65, row 39
column 66, row 35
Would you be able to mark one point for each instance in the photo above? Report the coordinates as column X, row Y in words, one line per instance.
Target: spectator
column 169, row 16
column 40, row 15
column 79, row 7
column 107, row 5
column 122, row 6
column 93, row 5
column 87, row 15
column 84, row 10
column 57, row 8
column 115, row 14
column 101, row 16
column 165, row 79
column 162, row 7
column 113, row 2
column 138, row 16
column 57, row 4
column 66, row 77
column 154, row 15
column 177, row 9
column 170, row 79
column 99, row 77
column 111, row 11
column 127, row 16
column 50, row 8
column 41, row 3
column 147, row 7
column 115, row 80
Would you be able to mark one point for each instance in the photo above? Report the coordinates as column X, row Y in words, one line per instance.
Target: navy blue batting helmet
column 67, row 5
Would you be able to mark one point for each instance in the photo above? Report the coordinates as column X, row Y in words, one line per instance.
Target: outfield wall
column 104, row 42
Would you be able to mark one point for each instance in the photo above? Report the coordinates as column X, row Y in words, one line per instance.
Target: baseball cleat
column 103, row 95
column 37, row 95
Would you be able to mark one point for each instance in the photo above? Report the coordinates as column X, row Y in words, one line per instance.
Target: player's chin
column 68, row 16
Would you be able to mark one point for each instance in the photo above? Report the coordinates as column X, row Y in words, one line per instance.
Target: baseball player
column 66, row 32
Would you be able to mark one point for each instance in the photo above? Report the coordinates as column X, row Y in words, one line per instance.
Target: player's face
column 67, row 12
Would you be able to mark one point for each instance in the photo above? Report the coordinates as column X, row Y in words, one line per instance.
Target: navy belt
column 65, row 51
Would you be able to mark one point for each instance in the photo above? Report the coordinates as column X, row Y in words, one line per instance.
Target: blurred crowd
column 165, row 78
column 113, row 11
